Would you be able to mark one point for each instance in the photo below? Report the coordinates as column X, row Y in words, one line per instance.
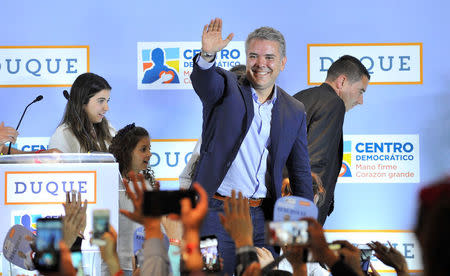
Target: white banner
column 42, row 66
column 380, row 159
column 168, row 65
column 403, row 241
column 44, row 187
column 170, row 156
column 31, row 143
column 387, row 63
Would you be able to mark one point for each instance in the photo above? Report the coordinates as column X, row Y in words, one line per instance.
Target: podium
column 35, row 185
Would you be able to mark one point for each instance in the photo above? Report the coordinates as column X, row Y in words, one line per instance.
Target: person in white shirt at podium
column 84, row 127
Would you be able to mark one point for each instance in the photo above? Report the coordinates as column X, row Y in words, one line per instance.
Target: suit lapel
column 246, row 92
column 276, row 124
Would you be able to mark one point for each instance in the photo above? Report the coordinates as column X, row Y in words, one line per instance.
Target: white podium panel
column 34, row 186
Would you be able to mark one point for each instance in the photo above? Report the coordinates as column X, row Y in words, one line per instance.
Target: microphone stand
column 38, row 98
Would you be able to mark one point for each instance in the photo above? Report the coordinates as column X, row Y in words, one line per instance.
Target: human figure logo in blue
column 347, row 160
column 27, row 222
column 159, row 70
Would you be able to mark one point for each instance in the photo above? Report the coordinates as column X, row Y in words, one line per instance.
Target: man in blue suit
column 251, row 130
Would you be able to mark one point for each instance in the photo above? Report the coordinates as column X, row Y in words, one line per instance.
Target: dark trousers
column 227, row 250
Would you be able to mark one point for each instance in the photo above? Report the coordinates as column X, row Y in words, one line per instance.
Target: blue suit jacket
column 227, row 116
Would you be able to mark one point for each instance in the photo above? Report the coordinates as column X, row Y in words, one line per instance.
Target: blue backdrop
column 112, row 30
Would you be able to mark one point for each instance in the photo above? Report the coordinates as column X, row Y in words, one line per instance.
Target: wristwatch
column 207, row 55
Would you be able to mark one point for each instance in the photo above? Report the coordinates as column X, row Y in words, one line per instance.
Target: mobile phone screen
column 366, row 252
column 49, row 234
column 158, row 203
column 101, row 225
column 208, row 248
column 287, row 232
column 77, row 259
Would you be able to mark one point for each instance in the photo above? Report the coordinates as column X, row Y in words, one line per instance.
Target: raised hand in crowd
column 318, row 244
column 237, row 221
column 264, row 256
column 390, row 257
column 174, row 230
column 350, row 255
column 151, row 224
column 109, row 251
column 212, row 41
column 192, row 219
column 74, row 221
column 294, row 254
column 323, row 254
column 156, row 262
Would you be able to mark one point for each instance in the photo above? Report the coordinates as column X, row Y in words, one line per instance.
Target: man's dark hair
column 268, row 33
column 240, row 71
column 349, row 66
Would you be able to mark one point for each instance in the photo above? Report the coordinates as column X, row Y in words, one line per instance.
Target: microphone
column 88, row 137
column 66, row 94
column 38, row 98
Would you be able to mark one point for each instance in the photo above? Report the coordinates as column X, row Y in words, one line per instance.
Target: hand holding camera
column 390, row 256
column 295, row 254
column 109, row 250
column 351, row 255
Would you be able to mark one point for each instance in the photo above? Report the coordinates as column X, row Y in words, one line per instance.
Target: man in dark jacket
column 325, row 105
column 251, row 129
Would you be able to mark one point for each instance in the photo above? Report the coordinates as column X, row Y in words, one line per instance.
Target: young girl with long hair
column 84, row 127
column 131, row 148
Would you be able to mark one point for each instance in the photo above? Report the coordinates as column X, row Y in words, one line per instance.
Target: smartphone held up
column 48, row 235
column 158, row 203
column 210, row 253
column 101, row 225
column 287, row 233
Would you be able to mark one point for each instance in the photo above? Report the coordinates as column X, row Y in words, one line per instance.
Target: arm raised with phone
column 155, row 254
column 391, row 257
column 322, row 253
